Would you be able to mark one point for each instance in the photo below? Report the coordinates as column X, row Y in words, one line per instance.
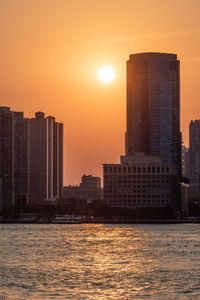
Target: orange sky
column 50, row 52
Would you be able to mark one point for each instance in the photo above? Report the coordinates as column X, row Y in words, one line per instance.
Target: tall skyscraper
column 149, row 174
column 194, row 157
column 14, row 160
column 153, row 106
column 46, row 158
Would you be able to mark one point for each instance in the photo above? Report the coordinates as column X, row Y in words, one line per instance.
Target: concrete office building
column 194, row 157
column 14, row 162
column 46, row 158
column 140, row 181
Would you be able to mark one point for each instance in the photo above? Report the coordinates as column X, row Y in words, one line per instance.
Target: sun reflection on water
column 90, row 261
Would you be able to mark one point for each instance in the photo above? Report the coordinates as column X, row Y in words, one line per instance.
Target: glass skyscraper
column 153, row 106
column 149, row 175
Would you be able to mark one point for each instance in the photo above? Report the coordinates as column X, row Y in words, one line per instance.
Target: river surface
column 99, row 261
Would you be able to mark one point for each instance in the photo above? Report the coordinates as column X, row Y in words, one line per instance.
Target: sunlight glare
column 106, row 74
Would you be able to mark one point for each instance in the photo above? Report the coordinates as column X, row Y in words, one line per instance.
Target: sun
column 106, row 74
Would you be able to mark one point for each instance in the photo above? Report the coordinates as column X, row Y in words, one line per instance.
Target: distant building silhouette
column 46, row 158
column 194, row 157
column 89, row 188
column 14, row 162
column 150, row 173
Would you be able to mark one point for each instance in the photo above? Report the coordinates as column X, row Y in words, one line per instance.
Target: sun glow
column 106, row 74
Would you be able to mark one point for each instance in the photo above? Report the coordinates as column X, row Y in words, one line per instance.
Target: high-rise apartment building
column 194, row 157
column 46, row 158
column 153, row 106
column 14, row 160
column 31, row 158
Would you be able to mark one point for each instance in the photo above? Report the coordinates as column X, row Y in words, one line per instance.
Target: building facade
column 153, row 106
column 194, row 157
column 31, row 158
column 185, row 161
column 89, row 188
column 21, row 159
column 46, row 158
column 140, row 181
column 14, row 160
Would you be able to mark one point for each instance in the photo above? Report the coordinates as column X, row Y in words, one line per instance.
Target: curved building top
column 153, row 55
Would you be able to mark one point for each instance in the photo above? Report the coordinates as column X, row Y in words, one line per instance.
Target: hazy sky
column 50, row 52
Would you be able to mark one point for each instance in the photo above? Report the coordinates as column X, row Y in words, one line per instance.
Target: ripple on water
column 90, row 261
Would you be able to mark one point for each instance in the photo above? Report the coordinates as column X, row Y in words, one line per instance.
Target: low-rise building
column 89, row 188
column 71, row 191
column 141, row 181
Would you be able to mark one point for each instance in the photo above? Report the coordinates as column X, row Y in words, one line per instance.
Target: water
column 91, row 261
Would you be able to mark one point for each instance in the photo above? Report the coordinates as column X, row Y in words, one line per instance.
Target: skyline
column 50, row 65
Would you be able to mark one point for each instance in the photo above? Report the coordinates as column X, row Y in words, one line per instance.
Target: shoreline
column 147, row 221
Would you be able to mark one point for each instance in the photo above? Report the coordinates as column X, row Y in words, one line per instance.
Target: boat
column 66, row 219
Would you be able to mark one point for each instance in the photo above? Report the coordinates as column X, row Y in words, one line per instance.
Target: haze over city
column 51, row 52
